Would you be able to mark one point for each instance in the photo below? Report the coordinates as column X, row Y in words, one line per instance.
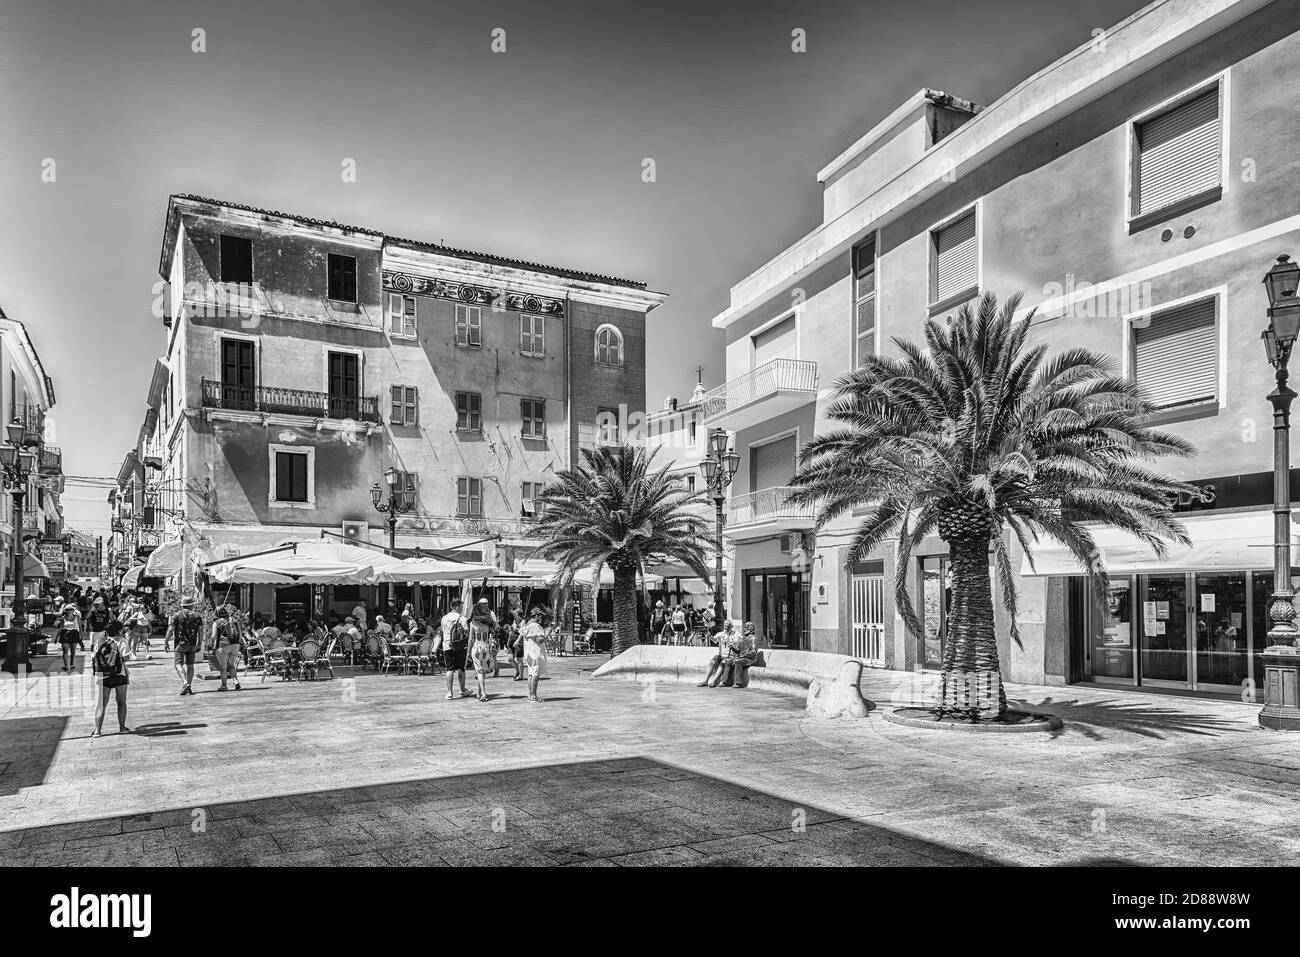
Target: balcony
column 51, row 460
column 768, row 391
column 766, row 512
column 32, row 524
column 272, row 401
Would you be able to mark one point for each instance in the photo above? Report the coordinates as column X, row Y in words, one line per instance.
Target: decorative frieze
column 473, row 294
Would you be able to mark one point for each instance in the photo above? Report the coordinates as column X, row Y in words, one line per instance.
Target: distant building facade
column 305, row 358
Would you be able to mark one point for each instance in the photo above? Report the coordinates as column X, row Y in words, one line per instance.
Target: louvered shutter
column 777, row 342
column 1175, row 358
column 1178, row 153
column 956, row 258
column 771, row 465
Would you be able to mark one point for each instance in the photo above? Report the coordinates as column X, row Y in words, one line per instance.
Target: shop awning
column 131, row 577
column 165, row 560
column 288, row 568
column 1219, row 543
column 33, row 567
column 425, row 570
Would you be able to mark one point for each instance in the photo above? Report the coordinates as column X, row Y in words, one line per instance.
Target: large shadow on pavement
column 1141, row 715
column 629, row 811
column 27, row 747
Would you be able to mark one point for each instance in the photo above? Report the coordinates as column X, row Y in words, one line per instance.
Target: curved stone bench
column 830, row 683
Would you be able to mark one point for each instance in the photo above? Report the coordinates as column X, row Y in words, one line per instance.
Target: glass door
column 1163, row 648
column 936, row 592
column 1222, row 616
column 1111, row 633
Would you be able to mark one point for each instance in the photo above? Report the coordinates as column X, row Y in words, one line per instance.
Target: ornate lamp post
column 1282, row 658
column 17, row 462
column 719, row 467
column 399, row 500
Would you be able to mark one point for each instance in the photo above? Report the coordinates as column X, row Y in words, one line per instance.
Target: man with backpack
column 184, row 631
column 455, row 646
column 97, row 623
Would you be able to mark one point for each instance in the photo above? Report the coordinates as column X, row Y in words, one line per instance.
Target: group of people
column 675, row 625
column 737, row 653
column 464, row 639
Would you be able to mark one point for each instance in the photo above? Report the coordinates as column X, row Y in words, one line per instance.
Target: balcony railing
column 31, row 522
column 32, row 417
column 791, row 377
column 51, row 461
column 769, row 506
column 320, row 405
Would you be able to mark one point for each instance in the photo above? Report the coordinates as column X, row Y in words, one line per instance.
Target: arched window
column 609, row 345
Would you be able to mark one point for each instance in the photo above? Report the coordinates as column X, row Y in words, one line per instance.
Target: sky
column 536, row 152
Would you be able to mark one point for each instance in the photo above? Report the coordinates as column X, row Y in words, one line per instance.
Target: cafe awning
column 33, row 567
column 131, row 577
column 1235, row 542
column 287, row 568
column 425, row 570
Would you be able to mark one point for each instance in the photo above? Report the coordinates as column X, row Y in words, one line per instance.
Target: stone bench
column 829, row 683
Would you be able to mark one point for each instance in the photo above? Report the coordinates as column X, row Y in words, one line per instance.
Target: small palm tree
column 613, row 510
column 975, row 434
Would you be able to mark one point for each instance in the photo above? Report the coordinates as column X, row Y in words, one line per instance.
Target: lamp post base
column 16, row 652
column 1281, row 710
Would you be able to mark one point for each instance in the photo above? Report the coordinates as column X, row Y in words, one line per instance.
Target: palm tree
column 974, row 434
column 613, row 510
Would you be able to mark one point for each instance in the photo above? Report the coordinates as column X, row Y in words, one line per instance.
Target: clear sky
column 535, row 153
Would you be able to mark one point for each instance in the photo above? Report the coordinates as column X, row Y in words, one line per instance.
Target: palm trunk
column 626, row 630
column 971, row 680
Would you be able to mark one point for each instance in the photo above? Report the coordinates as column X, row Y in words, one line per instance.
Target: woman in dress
column 534, row 642
column 482, row 623
column 110, row 664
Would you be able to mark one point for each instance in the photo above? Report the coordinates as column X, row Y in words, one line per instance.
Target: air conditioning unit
column 791, row 543
column 356, row 531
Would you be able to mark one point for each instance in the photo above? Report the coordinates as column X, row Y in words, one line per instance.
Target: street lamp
column 17, row 462
column 719, row 466
column 400, row 499
column 1282, row 658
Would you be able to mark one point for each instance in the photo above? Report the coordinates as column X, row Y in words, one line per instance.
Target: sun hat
column 482, row 601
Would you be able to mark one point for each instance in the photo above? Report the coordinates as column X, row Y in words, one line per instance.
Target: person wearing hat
column 658, row 622
column 482, row 626
column 183, row 631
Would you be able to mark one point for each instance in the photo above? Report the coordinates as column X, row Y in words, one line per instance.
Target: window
column 407, row 481
column 532, row 337
column 531, row 492
column 694, row 429
column 293, row 480
column 780, row 341
column 469, row 408
column 534, row 416
column 864, row 301
column 343, row 278
column 609, row 346
column 236, row 259
column 607, row 426
column 1176, row 354
column 690, row 482
column 469, row 497
column 771, row 464
column 406, row 405
column 954, row 258
column 401, row 315
column 1177, row 155
column 469, row 326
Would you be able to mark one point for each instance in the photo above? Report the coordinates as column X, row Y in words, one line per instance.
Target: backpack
column 459, row 637
column 107, row 660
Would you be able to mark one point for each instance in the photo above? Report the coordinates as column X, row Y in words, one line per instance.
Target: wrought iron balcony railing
column 771, row 378
column 320, row 405
column 769, row 505
column 51, row 460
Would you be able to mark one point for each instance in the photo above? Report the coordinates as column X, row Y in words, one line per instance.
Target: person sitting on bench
column 716, row 667
column 742, row 653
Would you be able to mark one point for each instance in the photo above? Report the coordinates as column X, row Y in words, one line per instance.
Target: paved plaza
column 380, row 769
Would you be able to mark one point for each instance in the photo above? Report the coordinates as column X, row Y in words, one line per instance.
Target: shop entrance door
column 1165, row 646
column 1222, row 615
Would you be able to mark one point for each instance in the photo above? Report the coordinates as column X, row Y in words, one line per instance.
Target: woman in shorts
column 69, row 634
column 482, row 623
column 110, row 665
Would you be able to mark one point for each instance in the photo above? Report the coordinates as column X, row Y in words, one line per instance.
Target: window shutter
column 397, row 403
column 1178, row 153
column 956, row 258
column 771, row 465
column 1176, row 357
column 778, row 342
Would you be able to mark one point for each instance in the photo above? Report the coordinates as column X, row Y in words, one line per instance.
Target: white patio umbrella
column 288, row 568
column 424, row 570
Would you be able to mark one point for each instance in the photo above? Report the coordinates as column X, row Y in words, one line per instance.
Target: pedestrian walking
column 516, row 643
column 227, row 641
column 185, row 630
column 455, row 645
column 482, row 624
column 69, row 631
column 534, row 648
column 97, row 622
column 110, row 665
